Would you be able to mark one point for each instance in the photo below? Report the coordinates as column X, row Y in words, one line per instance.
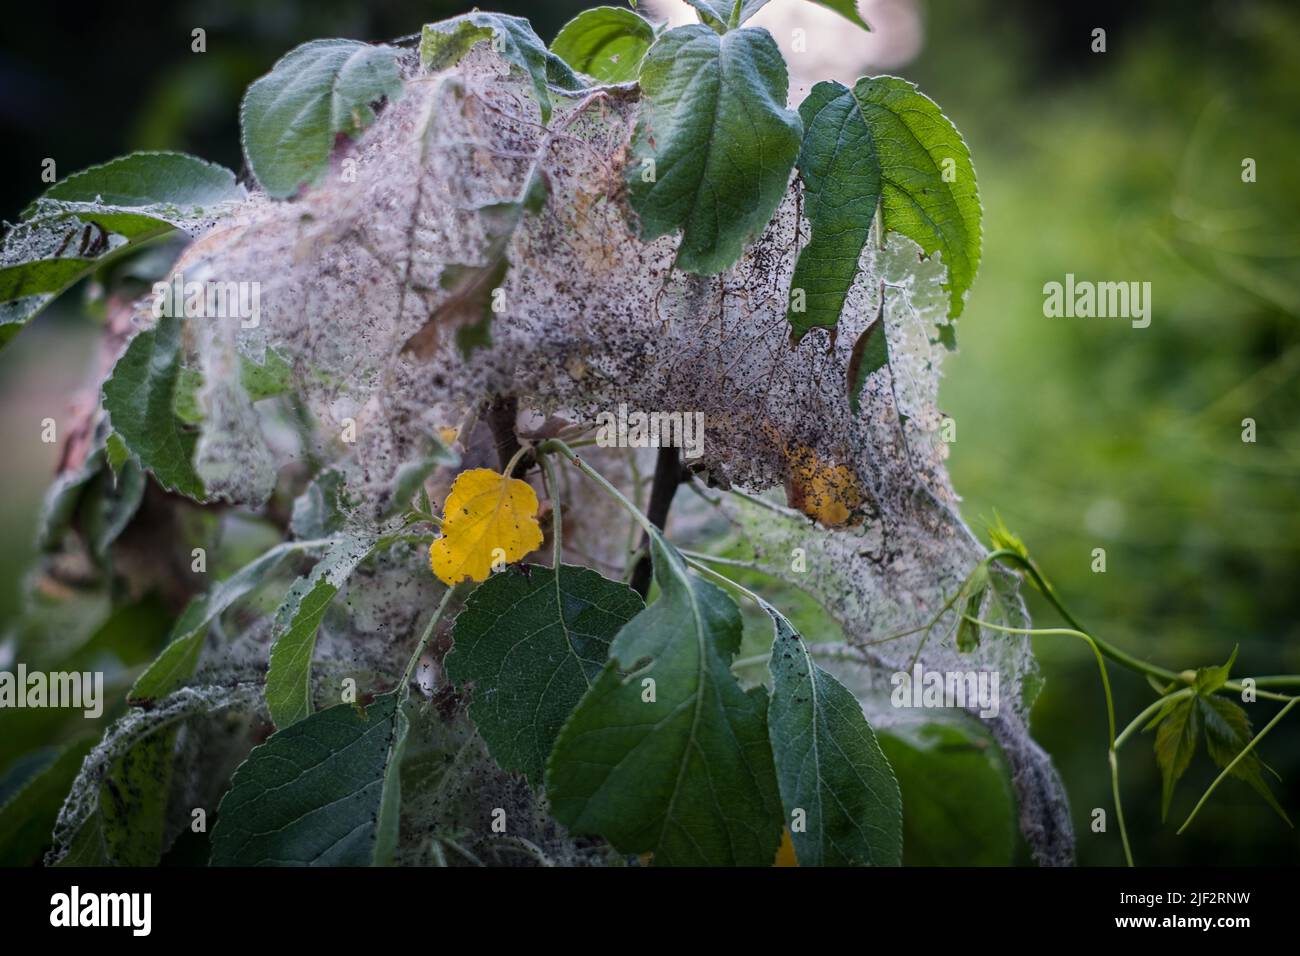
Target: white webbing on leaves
column 591, row 317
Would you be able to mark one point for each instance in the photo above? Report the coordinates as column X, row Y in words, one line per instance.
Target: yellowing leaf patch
column 484, row 511
column 821, row 489
column 785, row 855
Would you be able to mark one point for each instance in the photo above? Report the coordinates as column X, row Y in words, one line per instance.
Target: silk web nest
column 376, row 260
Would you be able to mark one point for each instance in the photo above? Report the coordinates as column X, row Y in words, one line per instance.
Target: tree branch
column 668, row 475
column 502, row 413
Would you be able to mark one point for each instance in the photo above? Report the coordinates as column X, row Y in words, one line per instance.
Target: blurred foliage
column 1087, row 433
column 1081, row 433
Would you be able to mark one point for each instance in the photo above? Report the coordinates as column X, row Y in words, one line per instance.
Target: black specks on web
column 588, row 318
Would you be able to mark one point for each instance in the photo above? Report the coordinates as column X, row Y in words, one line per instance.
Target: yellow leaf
column 785, row 853
column 822, row 490
column 484, row 511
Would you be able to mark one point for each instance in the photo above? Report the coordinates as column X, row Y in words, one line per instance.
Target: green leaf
column 173, row 188
column 882, row 145
column 1166, row 709
column 828, row 763
column 968, row 632
column 958, row 808
column 714, row 125
column 846, row 8
column 443, row 44
column 411, row 475
column 174, row 665
column 322, row 792
column 112, row 502
column 273, row 377
column 291, row 116
column 16, row 315
column 177, row 661
column 742, row 10
column 133, row 801
column 842, row 184
column 533, row 641
column 100, row 214
column 140, row 398
column 1175, row 745
column 870, row 354
column 713, row 13
column 186, row 404
column 62, row 498
column 1210, row 679
column 913, row 141
column 1227, row 731
column 87, row 845
column 648, row 771
column 468, row 308
column 320, row 511
column 27, row 817
column 724, row 15
column 607, row 43
column 116, row 453
column 288, row 681
column 101, row 500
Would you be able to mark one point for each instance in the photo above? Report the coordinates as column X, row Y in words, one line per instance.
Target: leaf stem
column 424, row 642
column 1110, row 706
column 729, row 562
column 555, row 445
column 307, row 545
column 826, row 650
column 557, row 526
column 509, row 469
column 419, row 515
column 1113, row 759
column 727, row 582
column 1061, row 632
column 1149, row 712
column 1121, row 657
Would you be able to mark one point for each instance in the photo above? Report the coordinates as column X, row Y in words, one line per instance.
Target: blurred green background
column 1081, row 433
